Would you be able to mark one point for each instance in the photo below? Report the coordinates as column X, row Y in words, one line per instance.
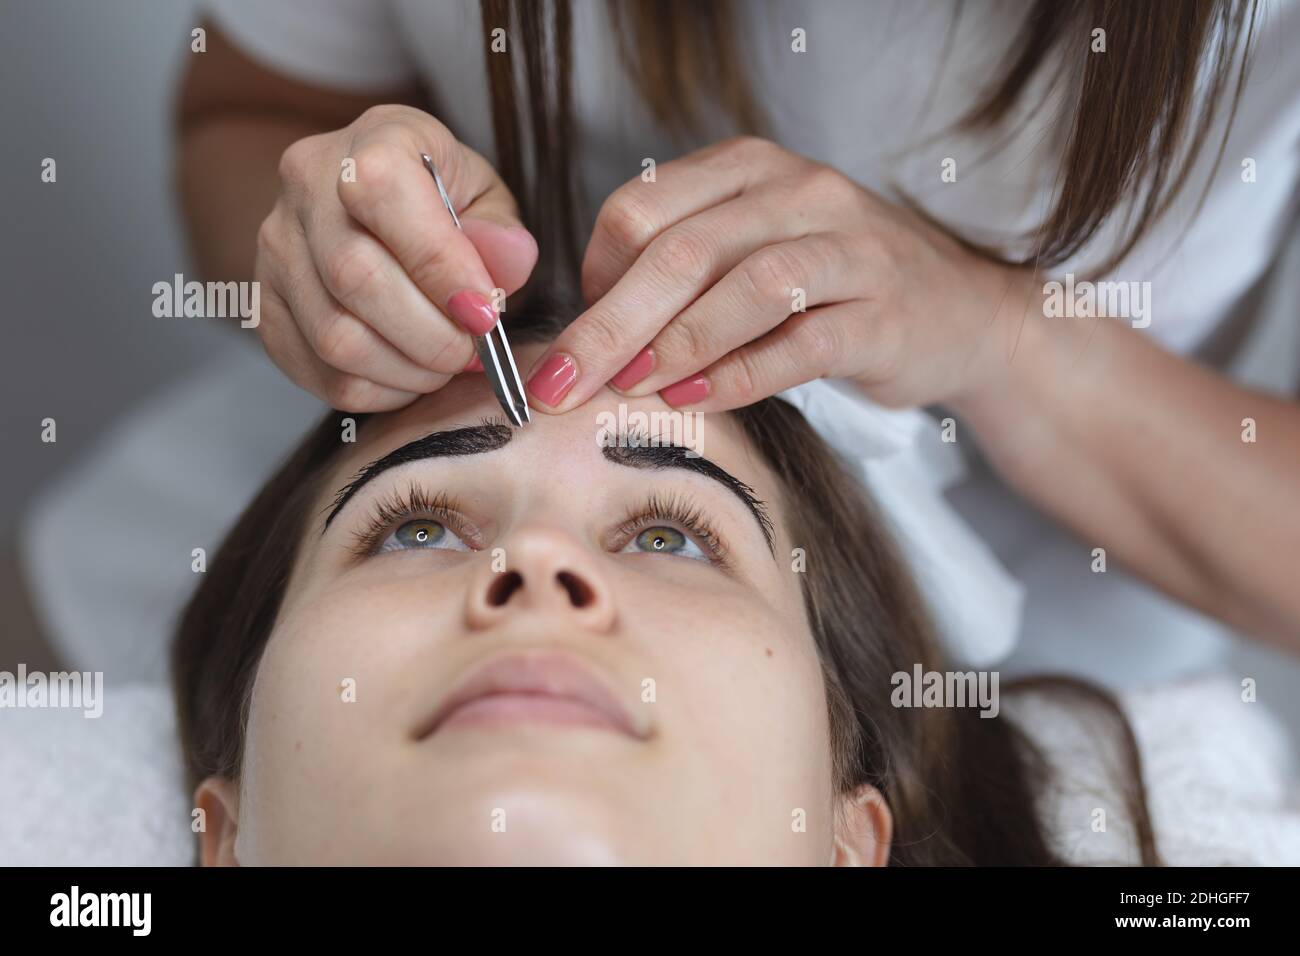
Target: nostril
column 580, row 593
column 503, row 588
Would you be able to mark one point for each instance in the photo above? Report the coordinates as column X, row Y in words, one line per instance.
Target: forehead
column 572, row 437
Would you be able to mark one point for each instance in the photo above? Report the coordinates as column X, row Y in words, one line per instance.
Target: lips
column 538, row 687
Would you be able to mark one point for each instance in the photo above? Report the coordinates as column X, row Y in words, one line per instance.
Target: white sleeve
column 346, row 44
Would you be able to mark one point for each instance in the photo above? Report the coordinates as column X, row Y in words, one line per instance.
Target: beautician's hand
column 369, row 293
column 703, row 265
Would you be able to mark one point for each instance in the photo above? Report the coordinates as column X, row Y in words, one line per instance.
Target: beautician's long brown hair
column 963, row 789
column 1135, row 115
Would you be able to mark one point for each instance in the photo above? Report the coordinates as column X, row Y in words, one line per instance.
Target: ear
column 218, row 798
column 864, row 829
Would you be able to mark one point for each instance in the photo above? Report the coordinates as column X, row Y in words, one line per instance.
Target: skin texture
column 737, row 735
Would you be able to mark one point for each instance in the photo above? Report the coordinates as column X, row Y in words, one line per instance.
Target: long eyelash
column 401, row 505
column 677, row 509
column 413, row 500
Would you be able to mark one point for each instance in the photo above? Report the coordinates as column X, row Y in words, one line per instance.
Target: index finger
column 641, row 210
column 393, row 196
column 675, row 270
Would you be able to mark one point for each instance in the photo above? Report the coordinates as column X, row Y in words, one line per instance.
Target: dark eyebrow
column 468, row 440
column 634, row 452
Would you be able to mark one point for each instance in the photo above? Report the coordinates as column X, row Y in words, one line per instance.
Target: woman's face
column 561, row 656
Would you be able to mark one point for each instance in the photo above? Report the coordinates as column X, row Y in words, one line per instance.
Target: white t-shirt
column 873, row 95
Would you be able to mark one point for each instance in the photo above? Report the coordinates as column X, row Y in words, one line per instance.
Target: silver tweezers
column 493, row 349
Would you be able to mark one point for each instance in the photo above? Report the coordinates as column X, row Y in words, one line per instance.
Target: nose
column 542, row 571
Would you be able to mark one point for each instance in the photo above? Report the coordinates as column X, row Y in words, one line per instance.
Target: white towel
column 104, row 791
column 1219, row 785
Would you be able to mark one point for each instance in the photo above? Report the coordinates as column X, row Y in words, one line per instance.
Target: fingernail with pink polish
column 686, row 392
column 553, row 379
column 472, row 311
column 635, row 370
column 475, row 365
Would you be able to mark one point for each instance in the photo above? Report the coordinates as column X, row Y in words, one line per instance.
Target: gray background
column 88, row 84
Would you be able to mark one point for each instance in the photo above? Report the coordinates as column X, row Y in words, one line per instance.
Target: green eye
column 420, row 533
column 662, row 539
column 414, row 519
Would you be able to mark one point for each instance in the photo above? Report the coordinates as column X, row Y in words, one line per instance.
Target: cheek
column 741, row 686
column 332, row 690
column 757, row 687
column 369, row 626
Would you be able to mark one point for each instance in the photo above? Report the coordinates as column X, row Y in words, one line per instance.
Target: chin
column 554, row 816
column 559, row 847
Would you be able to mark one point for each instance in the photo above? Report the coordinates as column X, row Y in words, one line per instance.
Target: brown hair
column 1135, row 123
column 963, row 789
